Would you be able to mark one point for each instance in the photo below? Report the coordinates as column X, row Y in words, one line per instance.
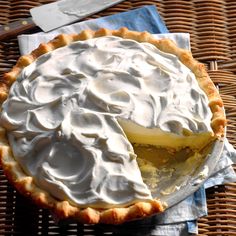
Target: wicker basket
column 212, row 26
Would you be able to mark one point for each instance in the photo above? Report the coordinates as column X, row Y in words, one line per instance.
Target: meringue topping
column 72, row 115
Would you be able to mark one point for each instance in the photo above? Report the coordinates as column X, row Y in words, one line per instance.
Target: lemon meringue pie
column 73, row 108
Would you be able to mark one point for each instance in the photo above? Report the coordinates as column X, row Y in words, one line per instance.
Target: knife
column 54, row 15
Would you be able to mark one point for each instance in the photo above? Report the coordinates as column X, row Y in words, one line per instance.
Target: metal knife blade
column 57, row 14
column 54, row 15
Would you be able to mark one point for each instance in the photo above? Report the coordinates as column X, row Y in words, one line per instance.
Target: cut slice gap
column 165, row 171
column 153, row 160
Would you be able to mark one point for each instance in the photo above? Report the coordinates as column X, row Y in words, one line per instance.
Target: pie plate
column 179, row 176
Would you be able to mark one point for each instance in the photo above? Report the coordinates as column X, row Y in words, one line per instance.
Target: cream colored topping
column 65, row 114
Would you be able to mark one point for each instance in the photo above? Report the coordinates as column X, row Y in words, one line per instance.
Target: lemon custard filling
column 73, row 113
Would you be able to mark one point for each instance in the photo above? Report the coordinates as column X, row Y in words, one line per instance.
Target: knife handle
column 15, row 28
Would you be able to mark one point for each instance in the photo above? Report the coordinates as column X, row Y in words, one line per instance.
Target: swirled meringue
column 72, row 115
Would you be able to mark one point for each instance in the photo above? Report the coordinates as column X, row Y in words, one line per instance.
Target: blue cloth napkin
column 180, row 219
column 142, row 19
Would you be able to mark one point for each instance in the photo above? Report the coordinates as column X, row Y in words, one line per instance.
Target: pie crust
column 63, row 209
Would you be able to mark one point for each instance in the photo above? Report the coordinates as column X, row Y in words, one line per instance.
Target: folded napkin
column 181, row 218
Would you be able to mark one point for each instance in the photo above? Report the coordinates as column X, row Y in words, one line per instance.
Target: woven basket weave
column 212, row 26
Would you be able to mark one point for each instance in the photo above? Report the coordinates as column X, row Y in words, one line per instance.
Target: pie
column 73, row 109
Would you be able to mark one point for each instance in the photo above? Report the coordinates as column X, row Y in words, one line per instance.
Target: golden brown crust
column 64, row 209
